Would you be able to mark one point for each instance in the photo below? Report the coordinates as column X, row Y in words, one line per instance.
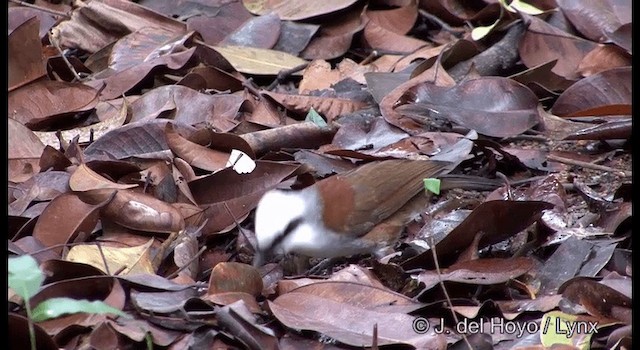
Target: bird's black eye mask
column 283, row 235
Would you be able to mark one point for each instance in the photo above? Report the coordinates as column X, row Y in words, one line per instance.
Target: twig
column 506, row 184
column 373, row 55
column 253, row 89
column 104, row 258
column 444, row 25
column 432, row 243
column 285, row 73
column 193, row 258
column 55, row 43
column 43, row 9
column 239, row 227
column 588, row 165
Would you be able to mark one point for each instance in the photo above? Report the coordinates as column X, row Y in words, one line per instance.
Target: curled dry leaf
column 104, row 288
column 235, row 277
column 140, row 211
column 196, row 155
column 381, row 38
column 64, row 219
column 20, row 336
column 398, row 20
column 605, row 93
column 85, row 179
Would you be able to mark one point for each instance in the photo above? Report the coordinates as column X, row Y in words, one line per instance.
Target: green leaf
column 25, row 277
column 315, row 118
column 432, row 185
column 54, row 307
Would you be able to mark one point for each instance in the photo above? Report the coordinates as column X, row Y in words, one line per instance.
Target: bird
column 360, row 211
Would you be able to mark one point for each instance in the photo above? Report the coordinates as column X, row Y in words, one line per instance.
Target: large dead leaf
column 296, row 10
column 25, row 54
column 498, row 220
column 605, row 93
column 335, row 36
column 597, row 19
column 480, row 271
column 142, row 139
column 86, row 133
column 492, row 106
column 350, row 324
column 44, row 102
column 135, row 55
column 543, row 42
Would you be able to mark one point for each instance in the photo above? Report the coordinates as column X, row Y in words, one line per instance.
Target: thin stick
column 104, row 258
column 55, row 43
column 193, row 258
column 239, row 227
column 588, row 165
column 432, row 243
column 444, row 25
column 43, row 9
column 285, row 73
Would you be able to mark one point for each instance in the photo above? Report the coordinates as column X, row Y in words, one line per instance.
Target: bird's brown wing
column 374, row 191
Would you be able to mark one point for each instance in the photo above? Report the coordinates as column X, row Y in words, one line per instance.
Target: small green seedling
column 25, row 278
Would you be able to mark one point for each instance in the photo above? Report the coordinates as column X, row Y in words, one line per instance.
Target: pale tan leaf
column 251, row 60
column 134, row 260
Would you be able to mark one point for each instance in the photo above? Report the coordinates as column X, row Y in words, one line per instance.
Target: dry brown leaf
column 133, row 260
column 296, row 10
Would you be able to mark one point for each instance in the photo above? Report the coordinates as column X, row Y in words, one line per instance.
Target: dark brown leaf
column 600, row 94
column 25, row 54
column 492, row 106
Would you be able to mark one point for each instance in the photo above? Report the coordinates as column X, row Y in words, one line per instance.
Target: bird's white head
column 278, row 213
